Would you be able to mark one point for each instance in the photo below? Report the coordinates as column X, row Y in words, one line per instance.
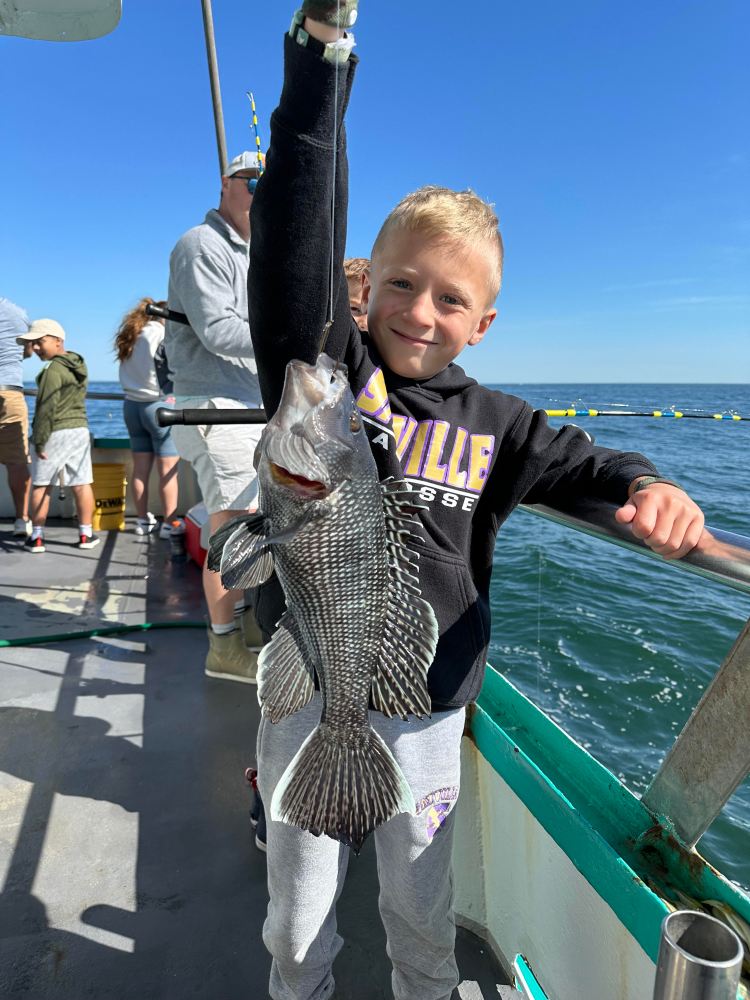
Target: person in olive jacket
column 60, row 433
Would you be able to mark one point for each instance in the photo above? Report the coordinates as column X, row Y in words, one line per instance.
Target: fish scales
column 335, row 576
column 355, row 620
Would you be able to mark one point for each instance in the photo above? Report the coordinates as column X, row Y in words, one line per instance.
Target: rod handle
column 162, row 313
column 166, row 417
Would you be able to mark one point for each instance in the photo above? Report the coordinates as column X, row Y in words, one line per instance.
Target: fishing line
column 539, row 621
column 334, row 164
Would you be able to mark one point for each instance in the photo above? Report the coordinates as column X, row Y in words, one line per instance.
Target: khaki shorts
column 14, row 428
column 68, row 451
column 221, row 455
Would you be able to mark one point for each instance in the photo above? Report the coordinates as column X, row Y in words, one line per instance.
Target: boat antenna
column 213, row 73
column 254, row 124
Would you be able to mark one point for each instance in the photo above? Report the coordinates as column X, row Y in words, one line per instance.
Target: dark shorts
column 145, row 434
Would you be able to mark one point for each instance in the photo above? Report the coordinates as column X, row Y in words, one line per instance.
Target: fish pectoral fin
column 242, row 549
column 285, row 672
column 246, row 560
column 410, row 636
column 253, row 523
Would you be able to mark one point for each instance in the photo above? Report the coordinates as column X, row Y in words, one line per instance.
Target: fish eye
column 355, row 422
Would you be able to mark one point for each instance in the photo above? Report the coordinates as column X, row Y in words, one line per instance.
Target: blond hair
column 459, row 217
column 355, row 267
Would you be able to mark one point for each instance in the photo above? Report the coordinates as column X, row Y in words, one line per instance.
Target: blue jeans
column 145, row 433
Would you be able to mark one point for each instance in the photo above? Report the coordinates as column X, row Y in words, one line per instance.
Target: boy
column 470, row 454
column 59, row 432
column 356, row 270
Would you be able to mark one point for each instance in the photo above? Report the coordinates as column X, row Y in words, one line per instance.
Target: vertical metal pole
column 711, row 756
column 213, row 72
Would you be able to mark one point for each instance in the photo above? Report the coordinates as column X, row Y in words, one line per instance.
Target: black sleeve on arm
column 290, row 246
column 557, row 466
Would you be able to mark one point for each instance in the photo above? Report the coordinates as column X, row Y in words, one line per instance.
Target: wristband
column 337, row 52
column 647, row 481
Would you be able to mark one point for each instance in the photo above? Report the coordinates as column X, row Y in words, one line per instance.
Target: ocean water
column 616, row 647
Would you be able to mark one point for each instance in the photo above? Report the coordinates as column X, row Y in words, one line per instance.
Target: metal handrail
column 711, row 756
column 89, row 395
column 721, row 556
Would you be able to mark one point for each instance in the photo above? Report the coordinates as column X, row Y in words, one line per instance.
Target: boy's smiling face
column 426, row 300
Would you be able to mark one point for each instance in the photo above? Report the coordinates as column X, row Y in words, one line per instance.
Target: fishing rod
column 167, row 418
column 254, row 126
column 676, row 414
column 163, row 313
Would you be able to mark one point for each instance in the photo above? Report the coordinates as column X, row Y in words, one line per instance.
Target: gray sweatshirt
column 208, row 282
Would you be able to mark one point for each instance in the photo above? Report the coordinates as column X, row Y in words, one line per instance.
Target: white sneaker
column 21, row 528
column 145, row 525
column 165, row 531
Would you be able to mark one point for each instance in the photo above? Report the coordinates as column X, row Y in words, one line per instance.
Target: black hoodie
column 471, row 454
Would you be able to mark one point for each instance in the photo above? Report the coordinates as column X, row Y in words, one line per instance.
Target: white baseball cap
column 245, row 161
column 42, row 328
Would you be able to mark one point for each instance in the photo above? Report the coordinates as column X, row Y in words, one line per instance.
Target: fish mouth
column 306, row 489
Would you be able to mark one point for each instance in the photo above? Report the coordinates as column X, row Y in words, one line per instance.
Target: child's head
column 435, row 273
column 46, row 337
column 356, row 270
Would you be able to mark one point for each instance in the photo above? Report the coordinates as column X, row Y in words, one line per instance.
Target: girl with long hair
column 136, row 343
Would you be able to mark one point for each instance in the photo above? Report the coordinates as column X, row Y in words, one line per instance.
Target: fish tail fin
column 342, row 787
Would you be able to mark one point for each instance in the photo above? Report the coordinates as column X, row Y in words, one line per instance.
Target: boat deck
column 126, row 862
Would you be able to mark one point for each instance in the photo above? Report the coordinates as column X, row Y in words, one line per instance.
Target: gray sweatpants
column 306, row 874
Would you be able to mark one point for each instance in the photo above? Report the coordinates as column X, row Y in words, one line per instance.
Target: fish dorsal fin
column 285, row 672
column 399, row 684
column 244, row 555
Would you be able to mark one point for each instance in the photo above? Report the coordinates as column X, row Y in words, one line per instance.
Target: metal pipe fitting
column 700, row 958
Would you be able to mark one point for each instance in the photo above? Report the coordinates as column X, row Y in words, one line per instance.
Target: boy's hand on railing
column 665, row 518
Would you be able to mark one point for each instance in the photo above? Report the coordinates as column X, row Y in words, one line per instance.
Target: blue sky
column 612, row 138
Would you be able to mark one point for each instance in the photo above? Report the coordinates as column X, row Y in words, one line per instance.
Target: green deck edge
column 608, row 834
column 526, row 980
column 111, row 443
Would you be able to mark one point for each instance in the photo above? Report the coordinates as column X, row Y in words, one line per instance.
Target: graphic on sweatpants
column 438, row 805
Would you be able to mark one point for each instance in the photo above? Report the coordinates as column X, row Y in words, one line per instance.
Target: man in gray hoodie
column 213, row 366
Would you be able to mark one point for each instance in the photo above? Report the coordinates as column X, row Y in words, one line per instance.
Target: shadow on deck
column 126, row 862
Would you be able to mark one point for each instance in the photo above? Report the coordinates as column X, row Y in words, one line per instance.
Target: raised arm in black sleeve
column 290, row 247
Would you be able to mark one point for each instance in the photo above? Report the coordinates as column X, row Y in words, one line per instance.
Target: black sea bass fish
column 338, row 540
